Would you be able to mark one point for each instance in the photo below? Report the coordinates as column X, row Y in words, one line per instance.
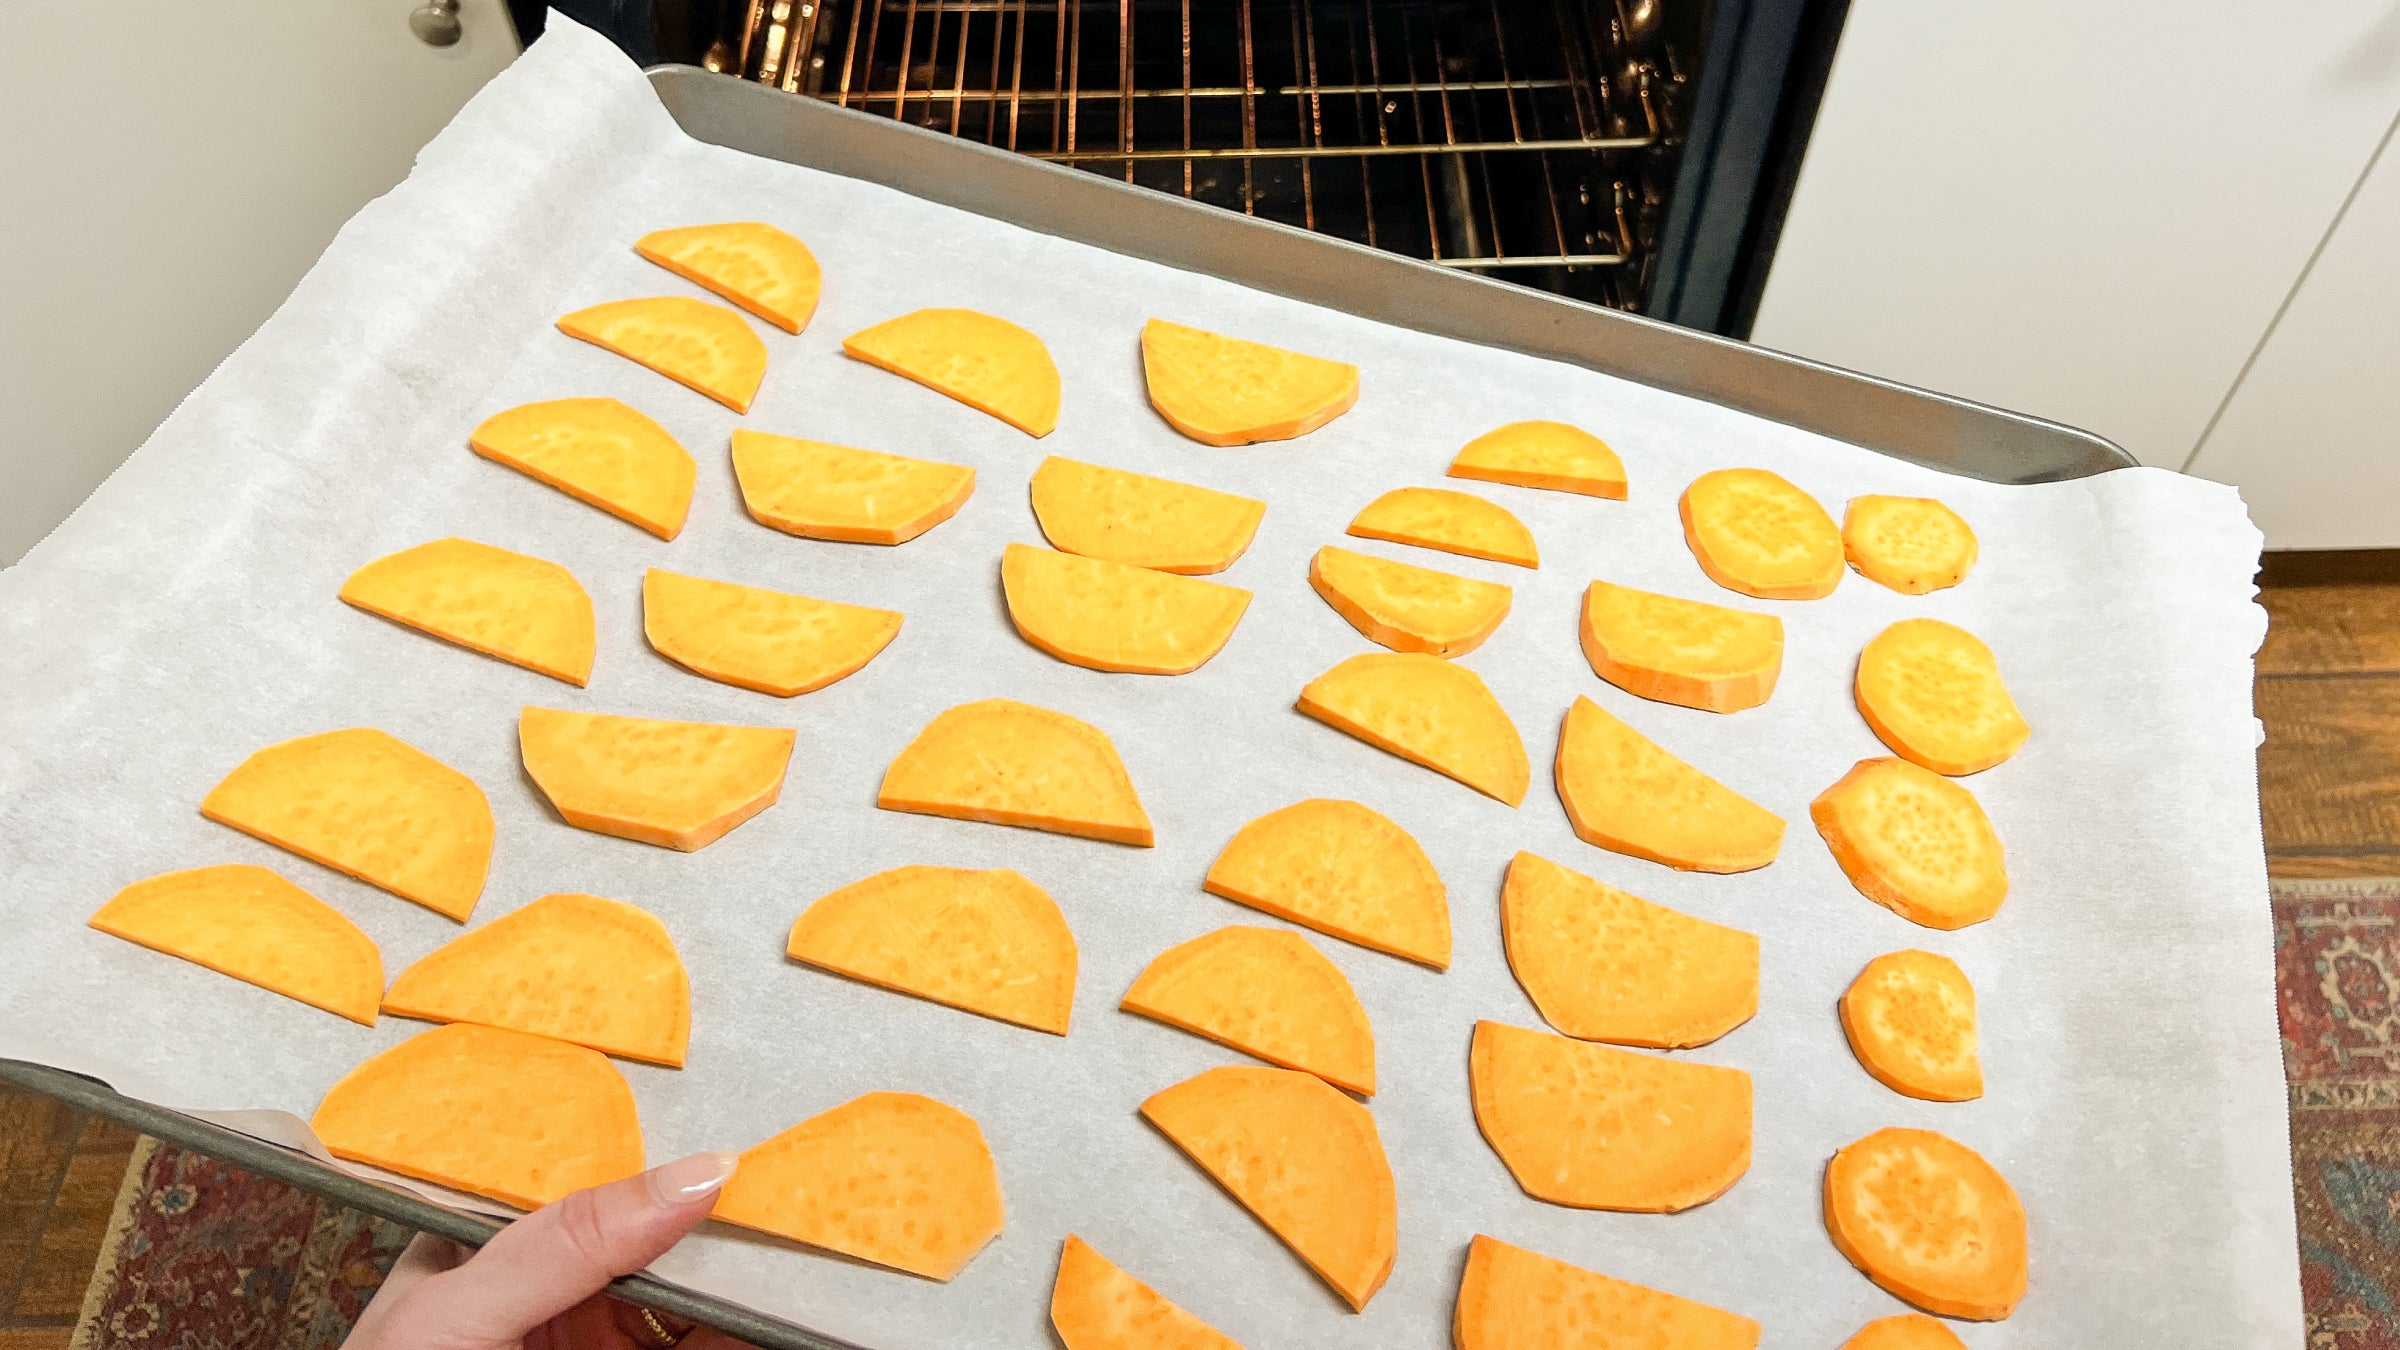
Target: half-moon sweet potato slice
column 1407, row 608
column 821, row 491
column 1552, row 455
column 1753, row 532
column 1264, row 992
column 1905, row 1331
column 1095, row 1305
column 749, row 262
column 521, row 609
column 1910, row 1019
column 1424, row 709
column 1928, row 1219
column 679, row 785
column 1911, row 544
column 701, row 346
column 1602, row 965
column 987, row 363
column 1914, row 842
column 1596, row 1127
column 597, row 451
column 1932, row 691
column 1114, row 616
column 576, row 968
column 772, row 641
column 1680, row 651
column 891, row 1177
column 1625, row 794
column 365, row 803
column 1010, row 763
column 1222, row 390
column 521, row 1119
column 1453, row 522
column 1514, row 1299
column 1343, row 870
column 988, row 941
column 247, row 922
column 1301, row 1157
column 1133, row 518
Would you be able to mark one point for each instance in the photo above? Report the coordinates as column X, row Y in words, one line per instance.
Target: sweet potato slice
column 891, row 1177
column 1928, row 1219
column 1133, row 518
column 365, row 803
column 1424, row 709
column 1601, row 1128
column 1114, row 616
column 1910, row 1018
column 1222, row 390
column 1343, row 870
column 1911, row 544
column 522, row 610
column 1514, row 1299
column 597, row 451
column 701, row 346
column 521, row 1119
column 1453, row 522
column 598, row 973
column 1405, row 608
column 1905, row 1331
column 1603, row 965
column 679, row 785
column 1681, row 651
column 988, row 941
column 753, row 264
column 1300, row 1156
column 820, row 491
column 1913, row 842
column 249, row 923
column 1625, row 794
column 989, row 364
column 772, row 641
column 1932, row 691
column 1010, row 763
column 1753, row 532
column 1095, row 1305
column 1552, row 455
column 1264, row 992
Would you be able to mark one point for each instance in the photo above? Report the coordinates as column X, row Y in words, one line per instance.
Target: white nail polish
column 689, row 1181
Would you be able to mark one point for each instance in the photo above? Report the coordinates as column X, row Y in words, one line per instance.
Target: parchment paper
column 186, row 616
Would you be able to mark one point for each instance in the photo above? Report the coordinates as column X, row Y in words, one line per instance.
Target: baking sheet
column 186, row 616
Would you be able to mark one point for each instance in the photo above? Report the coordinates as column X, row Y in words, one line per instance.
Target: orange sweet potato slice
column 1222, row 390
column 1405, row 608
column 249, row 923
column 521, row 1119
column 1914, row 842
column 1343, row 870
column 1301, row 1157
column 1910, row 1018
column 1424, row 709
column 1514, row 1299
column 597, row 451
column 1932, row 691
column 1928, row 1219
column 1603, row 965
column 820, row 491
column 598, row 973
column 1911, row 544
column 365, row 803
column 522, row 610
column 989, row 364
column 1596, row 1127
column 753, row 264
column 1114, row 616
column 1453, row 522
column 772, row 641
column 891, row 1177
column 1625, row 794
column 1133, row 518
column 701, row 346
column 1010, row 763
column 1095, row 1305
column 1905, row 1331
column 988, row 941
column 1264, row 992
column 1681, row 651
column 1552, row 455
column 1753, row 532
column 679, row 785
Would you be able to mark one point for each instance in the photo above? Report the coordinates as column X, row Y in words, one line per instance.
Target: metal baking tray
column 1950, row 434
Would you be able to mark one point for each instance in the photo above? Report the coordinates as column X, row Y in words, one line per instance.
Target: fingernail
column 688, row 1181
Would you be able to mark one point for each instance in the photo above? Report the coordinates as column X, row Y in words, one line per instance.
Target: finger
column 426, row 1255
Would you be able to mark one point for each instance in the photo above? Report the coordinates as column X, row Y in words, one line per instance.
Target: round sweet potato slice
column 751, row 263
column 1932, row 691
column 599, row 452
column 1914, row 842
column 523, row 610
column 987, row 363
column 1264, row 992
column 1552, row 455
column 678, row 785
column 1344, row 870
column 1681, row 651
column 1928, row 1219
column 1143, row 521
column 985, row 940
column 821, row 491
column 701, row 346
column 1753, row 532
column 1602, row 965
column 1116, row 617
column 1626, row 794
column 1911, row 544
column 1095, row 1305
column 1222, row 390
column 1424, row 709
column 1010, row 763
column 1407, row 608
column 1905, row 1331
column 1453, row 522
column 772, row 641
column 1910, row 1018
column 1514, row 1299
column 247, row 922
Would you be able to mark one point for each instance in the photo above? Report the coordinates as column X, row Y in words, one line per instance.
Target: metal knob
column 436, row 23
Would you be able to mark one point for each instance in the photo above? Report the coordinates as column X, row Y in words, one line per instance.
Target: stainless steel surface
column 436, row 23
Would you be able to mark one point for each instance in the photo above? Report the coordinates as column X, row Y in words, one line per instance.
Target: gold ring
column 666, row 1340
